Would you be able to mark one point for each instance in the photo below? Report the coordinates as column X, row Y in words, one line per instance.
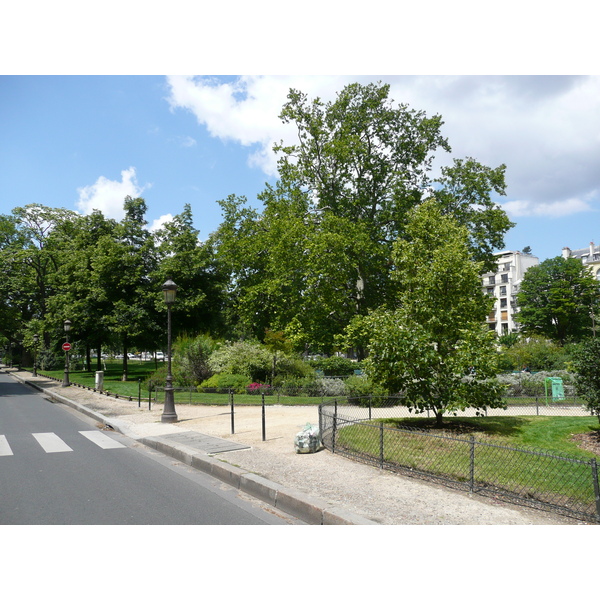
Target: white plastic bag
column 308, row 440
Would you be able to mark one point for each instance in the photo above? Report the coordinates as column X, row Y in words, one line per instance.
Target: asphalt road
column 58, row 467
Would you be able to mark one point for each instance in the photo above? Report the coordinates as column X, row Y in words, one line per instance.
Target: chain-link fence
column 360, row 430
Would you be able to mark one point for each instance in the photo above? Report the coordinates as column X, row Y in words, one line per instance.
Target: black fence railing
column 537, row 478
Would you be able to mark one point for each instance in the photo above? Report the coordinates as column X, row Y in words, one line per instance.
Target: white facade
column 589, row 256
column 503, row 285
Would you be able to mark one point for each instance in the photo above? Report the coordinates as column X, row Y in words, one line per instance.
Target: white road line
column 4, row 447
column 100, row 439
column 50, row 442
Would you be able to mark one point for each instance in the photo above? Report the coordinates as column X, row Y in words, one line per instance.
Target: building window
column 504, row 277
column 504, row 328
column 503, row 290
column 503, row 302
column 490, row 291
column 504, row 315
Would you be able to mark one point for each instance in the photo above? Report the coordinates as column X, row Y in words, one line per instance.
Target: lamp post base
column 169, row 415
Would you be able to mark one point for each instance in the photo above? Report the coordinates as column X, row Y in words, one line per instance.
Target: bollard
column 263, row 419
column 99, row 382
column 232, row 417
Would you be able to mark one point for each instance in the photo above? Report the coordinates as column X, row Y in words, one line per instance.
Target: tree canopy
column 319, row 253
column 558, row 299
column 433, row 346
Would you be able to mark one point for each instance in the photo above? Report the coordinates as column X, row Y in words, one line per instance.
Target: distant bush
column 334, row 366
column 533, row 384
column 332, row 387
column 237, row 383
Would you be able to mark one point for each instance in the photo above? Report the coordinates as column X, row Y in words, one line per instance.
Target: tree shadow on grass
column 492, row 426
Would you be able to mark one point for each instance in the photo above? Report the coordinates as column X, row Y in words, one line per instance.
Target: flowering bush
column 258, row 388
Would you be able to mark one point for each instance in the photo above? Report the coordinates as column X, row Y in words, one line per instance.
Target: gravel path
column 381, row 496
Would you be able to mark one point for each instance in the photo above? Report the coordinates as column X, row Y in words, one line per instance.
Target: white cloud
column 158, row 223
column 545, row 128
column 108, row 196
column 559, row 208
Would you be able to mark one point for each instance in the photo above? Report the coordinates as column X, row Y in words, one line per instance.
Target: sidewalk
column 319, row 488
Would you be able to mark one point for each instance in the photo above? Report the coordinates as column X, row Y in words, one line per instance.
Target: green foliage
column 249, row 359
column 433, row 347
column 222, row 381
column 535, row 353
column 533, row 384
column 336, row 366
column 319, row 253
column 586, row 364
column 558, row 299
column 360, row 386
column 191, row 357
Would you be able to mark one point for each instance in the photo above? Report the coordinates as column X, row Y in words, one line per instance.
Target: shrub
column 244, row 358
column 191, row 359
column 334, row 366
column 526, row 384
column 332, row 387
column 237, row 383
column 536, row 353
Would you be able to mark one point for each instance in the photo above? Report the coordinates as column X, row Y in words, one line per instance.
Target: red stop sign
column 66, row 346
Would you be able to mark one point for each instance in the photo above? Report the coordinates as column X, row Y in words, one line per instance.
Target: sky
column 86, row 141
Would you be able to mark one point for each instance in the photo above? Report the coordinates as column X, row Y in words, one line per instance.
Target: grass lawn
column 141, row 370
column 446, row 452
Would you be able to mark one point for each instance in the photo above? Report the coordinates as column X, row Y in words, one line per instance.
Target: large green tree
column 433, row 347
column 558, row 299
column 192, row 265
column 319, row 253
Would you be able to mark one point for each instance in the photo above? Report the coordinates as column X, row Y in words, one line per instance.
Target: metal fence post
column 334, row 429
column 370, row 417
column 472, row 470
column 381, row 455
column 594, row 466
column 232, row 417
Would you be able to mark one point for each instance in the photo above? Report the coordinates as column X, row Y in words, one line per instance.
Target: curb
column 312, row 511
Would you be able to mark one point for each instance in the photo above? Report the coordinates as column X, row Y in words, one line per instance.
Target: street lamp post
column 66, row 383
column 169, row 415
column 36, row 339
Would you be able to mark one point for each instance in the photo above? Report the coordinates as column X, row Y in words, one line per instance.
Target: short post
column 232, row 415
column 334, row 430
column 263, row 419
column 381, row 454
column 139, row 393
column 99, row 381
column 472, row 470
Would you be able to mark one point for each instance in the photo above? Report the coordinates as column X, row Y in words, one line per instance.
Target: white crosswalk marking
column 100, row 439
column 50, row 442
column 4, row 447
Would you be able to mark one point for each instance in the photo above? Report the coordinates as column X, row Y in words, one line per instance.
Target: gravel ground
column 381, row 496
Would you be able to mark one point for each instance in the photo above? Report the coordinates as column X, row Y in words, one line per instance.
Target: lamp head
column 169, row 291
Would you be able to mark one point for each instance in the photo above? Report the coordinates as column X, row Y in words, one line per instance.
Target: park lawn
column 550, row 434
column 446, row 452
column 140, row 371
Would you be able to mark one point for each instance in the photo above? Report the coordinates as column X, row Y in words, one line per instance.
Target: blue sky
column 83, row 142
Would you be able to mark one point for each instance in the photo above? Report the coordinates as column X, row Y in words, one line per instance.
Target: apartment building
column 589, row 256
column 503, row 285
